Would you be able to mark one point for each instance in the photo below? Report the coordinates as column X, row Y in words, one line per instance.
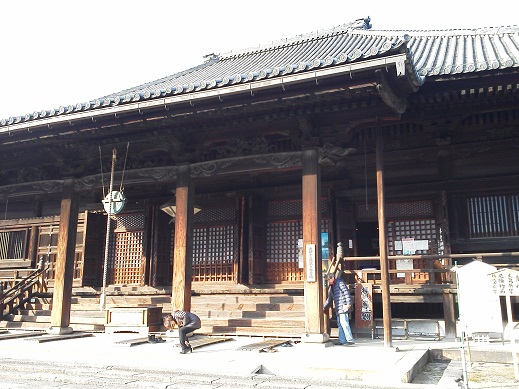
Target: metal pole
column 511, row 325
column 463, row 360
column 463, row 334
column 107, row 239
column 384, row 261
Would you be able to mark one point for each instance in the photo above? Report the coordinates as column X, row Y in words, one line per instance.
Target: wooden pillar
column 243, row 273
column 183, row 251
column 33, row 246
column 314, row 318
column 449, row 315
column 384, row 261
column 449, row 303
column 64, row 271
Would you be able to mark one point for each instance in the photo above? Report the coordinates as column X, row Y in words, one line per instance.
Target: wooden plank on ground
column 131, row 342
column 52, row 338
column 198, row 341
column 18, row 335
column 266, row 345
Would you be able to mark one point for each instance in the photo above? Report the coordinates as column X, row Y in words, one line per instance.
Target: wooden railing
column 434, row 273
column 10, row 277
column 21, row 290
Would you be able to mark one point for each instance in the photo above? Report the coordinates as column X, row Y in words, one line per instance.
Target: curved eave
column 401, row 64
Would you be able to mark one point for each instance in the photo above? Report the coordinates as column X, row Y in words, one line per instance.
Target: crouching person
column 187, row 322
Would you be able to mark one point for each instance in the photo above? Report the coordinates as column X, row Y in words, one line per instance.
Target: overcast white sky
column 60, row 52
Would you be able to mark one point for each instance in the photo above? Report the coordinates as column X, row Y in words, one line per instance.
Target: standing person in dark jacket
column 340, row 295
column 187, row 322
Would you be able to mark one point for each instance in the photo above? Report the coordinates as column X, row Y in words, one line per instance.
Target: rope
column 50, row 243
column 365, row 172
column 102, row 176
column 124, row 167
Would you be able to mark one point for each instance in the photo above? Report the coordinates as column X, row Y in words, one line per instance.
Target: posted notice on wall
column 409, row 246
column 403, row 264
column 310, row 262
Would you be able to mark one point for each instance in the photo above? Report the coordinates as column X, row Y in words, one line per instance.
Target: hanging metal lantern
column 117, row 201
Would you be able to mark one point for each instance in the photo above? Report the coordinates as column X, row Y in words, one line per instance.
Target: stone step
column 223, row 330
column 78, row 311
column 41, row 326
column 234, row 314
column 257, row 298
column 294, row 323
column 47, row 319
column 241, row 314
column 165, row 300
column 197, row 307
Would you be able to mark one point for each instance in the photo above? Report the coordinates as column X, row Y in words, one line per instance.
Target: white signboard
column 505, row 282
column 310, row 262
column 480, row 309
column 403, row 264
column 300, row 257
column 410, row 246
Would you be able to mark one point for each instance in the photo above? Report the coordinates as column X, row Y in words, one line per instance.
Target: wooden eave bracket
column 388, row 94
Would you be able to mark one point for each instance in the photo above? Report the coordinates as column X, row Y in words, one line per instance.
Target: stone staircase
column 273, row 313
column 260, row 314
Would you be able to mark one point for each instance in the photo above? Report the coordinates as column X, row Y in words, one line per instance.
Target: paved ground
column 367, row 364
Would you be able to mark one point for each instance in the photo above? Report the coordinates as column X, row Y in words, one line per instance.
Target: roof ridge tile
column 357, row 25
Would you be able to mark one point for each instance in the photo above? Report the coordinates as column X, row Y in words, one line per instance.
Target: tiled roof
column 446, row 52
column 432, row 53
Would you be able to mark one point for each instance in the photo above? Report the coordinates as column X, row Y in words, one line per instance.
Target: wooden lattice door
column 163, row 237
column 284, row 232
column 126, row 262
column 282, row 251
column 256, row 240
column 214, row 249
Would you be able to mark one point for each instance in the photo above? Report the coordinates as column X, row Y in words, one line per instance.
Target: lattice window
column 283, row 209
column 493, row 216
column 48, row 248
column 214, row 255
column 423, row 230
column 212, row 215
column 13, row 244
column 412, row 208
column 129, row 222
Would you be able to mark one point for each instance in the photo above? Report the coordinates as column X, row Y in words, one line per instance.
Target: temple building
column 395, row 151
